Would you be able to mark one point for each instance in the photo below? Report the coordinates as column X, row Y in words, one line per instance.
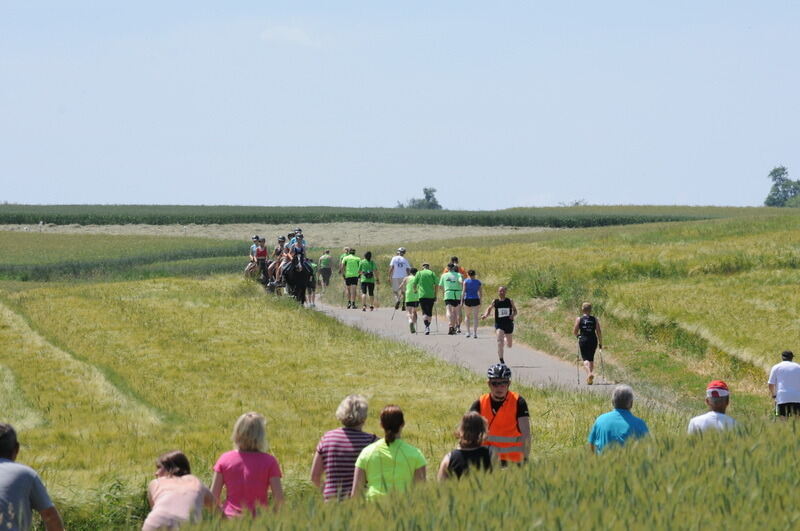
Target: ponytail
column 392, row 422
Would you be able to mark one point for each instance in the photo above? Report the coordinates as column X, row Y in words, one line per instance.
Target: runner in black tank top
column 471, row 452
column 587, row 330
column 504, row 313
column 461, row 460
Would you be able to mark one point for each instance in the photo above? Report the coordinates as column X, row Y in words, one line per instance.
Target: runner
column 451, row 285
column 504, row 313
column 311, row 288
column 411, row 299
column 369, row 277
column 587, row 330
column 471, row 300
column 426, row 285
column 350, row 267
column 399, row 267
column 507, row 414
column 784, row 385
column 463, row 273
column 325, row 269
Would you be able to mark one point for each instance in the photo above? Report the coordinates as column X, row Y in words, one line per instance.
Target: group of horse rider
column 286, row 260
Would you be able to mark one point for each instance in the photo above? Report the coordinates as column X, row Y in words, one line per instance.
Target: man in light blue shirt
column 616, row 426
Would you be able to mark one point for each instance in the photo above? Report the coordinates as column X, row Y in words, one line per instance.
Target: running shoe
column 475, row 336
column 348, row 305
column 371, row 308
column 458, row 329
column 427, row 330
column 502, row 361
column 468, row 335
column 590, row 379
column 404, row 307
column 364, row 309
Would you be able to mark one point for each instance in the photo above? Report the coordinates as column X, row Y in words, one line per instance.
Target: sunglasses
column 498, row 384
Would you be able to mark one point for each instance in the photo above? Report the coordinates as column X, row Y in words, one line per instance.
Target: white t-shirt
column 711, row 421
column 786, row 377
column 400, row 265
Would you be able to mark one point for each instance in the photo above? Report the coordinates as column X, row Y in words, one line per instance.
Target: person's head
column 173, row 463
column 471, row 273
column 401, row 251
column 346, row 250
column 352, row 412
column 255, row 238
column 250, row 433
column 298, row 230
column 262, row 241
column 290, row 235
column 352, row 251
column 392, row 422
column 327, row 251
column 281, row 239
column 454, row 260
column 499, row 380
column 501, row 292
column 368, row 255
column 787, row 355
column 9, row 445
column 472, row 430
column 717, row 396
column 451, row 267
column 426, row 265
column 299, row 236
column 413, row 271
column 586, row 308
column 622, row 398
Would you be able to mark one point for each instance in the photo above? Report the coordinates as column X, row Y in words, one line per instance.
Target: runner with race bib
column 504, row 313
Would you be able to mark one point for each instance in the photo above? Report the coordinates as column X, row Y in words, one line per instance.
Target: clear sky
column 495, row 104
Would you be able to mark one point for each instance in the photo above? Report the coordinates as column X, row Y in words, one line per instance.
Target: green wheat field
column 113, row 351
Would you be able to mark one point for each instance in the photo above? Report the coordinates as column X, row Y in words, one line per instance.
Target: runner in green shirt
column 410, row 299
column 451, row 285
column 325, row 269
column 369, row 277
column 426, row 283
column 350, row 267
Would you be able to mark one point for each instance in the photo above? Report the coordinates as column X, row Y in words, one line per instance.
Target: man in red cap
column 717, row 399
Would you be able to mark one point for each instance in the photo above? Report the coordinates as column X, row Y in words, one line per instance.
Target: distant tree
column 783, row 189
column 428, row 202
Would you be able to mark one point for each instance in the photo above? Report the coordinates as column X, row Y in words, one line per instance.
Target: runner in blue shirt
column 471, row 300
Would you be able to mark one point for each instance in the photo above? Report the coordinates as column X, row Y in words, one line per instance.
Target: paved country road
column 529, row 366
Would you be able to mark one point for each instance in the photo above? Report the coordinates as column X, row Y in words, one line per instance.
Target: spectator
column 717, row 399
column 175, row 495
column 784, row 385
column 21, row 489
column 471, row 453
column 247, row 472
column 338, row 449
column 616, row 426
column 390, row 464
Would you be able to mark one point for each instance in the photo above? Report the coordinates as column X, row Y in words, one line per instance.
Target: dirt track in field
column 318, row 234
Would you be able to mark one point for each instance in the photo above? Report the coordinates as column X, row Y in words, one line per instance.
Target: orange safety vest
column 504, row 438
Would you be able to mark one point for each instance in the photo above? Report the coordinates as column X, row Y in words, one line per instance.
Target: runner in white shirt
column 717, row 399
column 784, row 385
column 398, row 270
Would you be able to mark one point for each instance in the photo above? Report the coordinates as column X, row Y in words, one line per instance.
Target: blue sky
column 366, row 103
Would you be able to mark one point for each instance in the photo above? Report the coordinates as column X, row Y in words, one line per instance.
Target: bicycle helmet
column 255, row 237
column 281, row 238
column 499, row 371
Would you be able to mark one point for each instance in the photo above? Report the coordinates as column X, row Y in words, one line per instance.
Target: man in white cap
column 784, row 385
column 399, row 267
column 717, row 399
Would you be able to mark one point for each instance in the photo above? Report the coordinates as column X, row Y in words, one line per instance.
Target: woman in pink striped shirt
column 338, row 449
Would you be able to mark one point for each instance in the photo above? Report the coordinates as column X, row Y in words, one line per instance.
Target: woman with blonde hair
column 247, row 472
column 338, row 449
column 471, row 453
column 175, row 495
column 389, row 464
column 590, row 337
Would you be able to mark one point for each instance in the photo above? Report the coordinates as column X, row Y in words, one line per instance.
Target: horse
column 297, row 274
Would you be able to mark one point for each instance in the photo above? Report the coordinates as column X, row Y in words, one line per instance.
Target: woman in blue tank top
column 471, row 299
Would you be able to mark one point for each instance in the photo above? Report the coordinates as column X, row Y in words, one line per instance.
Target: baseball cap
column 717, row 388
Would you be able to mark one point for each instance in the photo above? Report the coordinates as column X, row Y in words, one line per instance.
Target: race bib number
column 503, row 312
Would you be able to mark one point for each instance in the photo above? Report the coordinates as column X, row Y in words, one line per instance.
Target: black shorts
column 789, row 409
column 452, row 302
column 412, row 304
column 588, row 348
column 350, row 281
column 368, row 287
column 325, row 273
column 505, row 326
column 312, row 284
column 427, row 306
column 472, row 302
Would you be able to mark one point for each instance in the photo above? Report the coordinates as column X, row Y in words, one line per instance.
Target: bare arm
column 525, row 429
column 488, row 310
column 277, row 492
column 359, row 479
column 52, row 519
column 316, row 470
column 419, row 474
column 443, row 466
column 599, row 334
column 576, row 328
column 216, row 487
column 772, row 391
column 513, row 310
